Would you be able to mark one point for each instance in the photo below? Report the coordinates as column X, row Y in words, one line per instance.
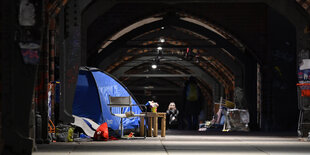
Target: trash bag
column 70, row 134
column 61, row 137
column 62, row 133
column 30, row 52
column 102, row 133
column 238, row 120
column 26, row 13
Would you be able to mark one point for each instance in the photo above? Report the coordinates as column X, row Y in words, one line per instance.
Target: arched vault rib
column 199, row 73
column 128, row 29
column 213, row 62
column 233, row 50
column 133, row 53
column 218, row 54
column 175, row 21
column 227, row 82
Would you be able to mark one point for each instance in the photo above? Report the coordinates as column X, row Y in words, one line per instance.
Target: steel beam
column 156, row 88
column 172, row 46
column 158, row 75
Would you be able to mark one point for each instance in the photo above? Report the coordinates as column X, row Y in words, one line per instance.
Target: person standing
column 192, row 103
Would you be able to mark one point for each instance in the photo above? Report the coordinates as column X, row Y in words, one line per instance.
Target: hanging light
column 162, row 40
column 159, row 48
column 154, row 66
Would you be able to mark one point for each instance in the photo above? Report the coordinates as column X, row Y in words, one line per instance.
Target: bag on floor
column 102, row 133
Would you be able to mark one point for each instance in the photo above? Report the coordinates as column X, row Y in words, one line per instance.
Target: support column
column 17, row 84
column 70, row 59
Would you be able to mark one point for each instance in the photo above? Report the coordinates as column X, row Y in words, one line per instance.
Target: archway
column 123, row 49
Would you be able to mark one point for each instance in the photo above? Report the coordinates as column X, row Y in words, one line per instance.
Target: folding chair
column 121, row 102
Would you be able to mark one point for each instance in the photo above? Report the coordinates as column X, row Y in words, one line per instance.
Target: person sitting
column 172, row 115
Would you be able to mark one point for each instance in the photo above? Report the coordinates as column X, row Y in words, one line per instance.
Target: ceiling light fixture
column 159, row 48
column 162, row 40
column 154, row 66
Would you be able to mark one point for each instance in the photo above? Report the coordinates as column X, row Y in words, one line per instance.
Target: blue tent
column 92, row 96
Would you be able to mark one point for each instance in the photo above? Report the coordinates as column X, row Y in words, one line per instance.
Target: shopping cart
column 303, row 90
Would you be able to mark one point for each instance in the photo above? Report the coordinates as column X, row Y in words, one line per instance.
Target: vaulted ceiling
column 181, row 46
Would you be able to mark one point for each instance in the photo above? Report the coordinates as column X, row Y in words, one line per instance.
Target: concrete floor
column 187, row 142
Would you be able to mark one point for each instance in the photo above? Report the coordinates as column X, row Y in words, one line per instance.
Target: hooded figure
column 192, row 103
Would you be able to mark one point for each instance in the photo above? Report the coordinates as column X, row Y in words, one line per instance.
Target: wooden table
column 153, row 123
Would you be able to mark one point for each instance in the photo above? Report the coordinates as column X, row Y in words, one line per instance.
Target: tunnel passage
column 180, row 46
column 185, row 42
column 273, row 38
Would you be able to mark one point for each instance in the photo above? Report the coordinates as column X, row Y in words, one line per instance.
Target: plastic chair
column 121, row 102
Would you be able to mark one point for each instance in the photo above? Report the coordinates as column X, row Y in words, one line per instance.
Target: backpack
column 192, row 92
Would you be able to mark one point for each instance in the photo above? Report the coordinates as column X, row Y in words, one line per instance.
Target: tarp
column 88, row 126
column 92, row 96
